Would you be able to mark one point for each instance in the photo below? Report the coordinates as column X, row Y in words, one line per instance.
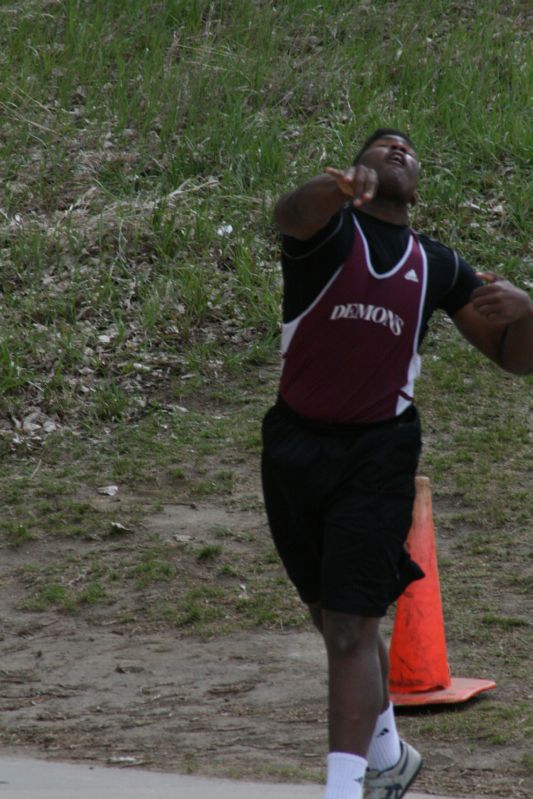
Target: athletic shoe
column 394, row 782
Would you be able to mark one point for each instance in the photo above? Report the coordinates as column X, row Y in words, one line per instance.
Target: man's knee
column 345, row 634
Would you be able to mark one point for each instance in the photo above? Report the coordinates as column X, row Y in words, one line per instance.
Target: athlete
column 341, row 444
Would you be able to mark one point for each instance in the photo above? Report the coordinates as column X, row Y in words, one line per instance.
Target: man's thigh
column 365, row 566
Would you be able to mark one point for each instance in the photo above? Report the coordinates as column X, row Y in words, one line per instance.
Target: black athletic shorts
column 339, row 502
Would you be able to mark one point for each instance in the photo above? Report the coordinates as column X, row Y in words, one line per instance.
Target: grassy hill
column 142, row 145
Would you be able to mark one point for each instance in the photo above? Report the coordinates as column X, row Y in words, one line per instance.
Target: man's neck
column 387, row 210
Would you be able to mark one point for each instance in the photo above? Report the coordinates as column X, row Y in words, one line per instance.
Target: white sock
column 384, row 750
column 346, row 774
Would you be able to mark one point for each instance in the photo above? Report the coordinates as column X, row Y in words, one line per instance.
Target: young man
column 341, row 444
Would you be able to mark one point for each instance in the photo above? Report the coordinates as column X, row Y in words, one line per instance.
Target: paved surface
column 38, row 779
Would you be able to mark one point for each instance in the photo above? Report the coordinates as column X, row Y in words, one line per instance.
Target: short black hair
column 381, row 133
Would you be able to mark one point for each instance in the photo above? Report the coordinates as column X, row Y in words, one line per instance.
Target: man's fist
column 499, row 301
column 358, row 182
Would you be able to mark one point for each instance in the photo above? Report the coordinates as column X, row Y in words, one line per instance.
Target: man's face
column 397, row 167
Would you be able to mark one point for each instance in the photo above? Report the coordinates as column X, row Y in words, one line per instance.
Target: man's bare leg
column 355, row 680
column 358, row 673
column 355, row 655
column 315, row 610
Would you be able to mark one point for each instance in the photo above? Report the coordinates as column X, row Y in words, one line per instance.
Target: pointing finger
column 368, row 188
column 335, row 173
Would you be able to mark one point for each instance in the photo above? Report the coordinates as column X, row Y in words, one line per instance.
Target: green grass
column 153, row 568
column 121, row 179
column 489, row 721
column 210, row 552
column 57, row 596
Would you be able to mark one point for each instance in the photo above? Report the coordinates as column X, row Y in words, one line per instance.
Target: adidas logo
column 383, row 732
column 411, row 275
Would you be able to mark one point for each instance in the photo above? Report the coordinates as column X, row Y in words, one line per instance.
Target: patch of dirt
column 250, row 704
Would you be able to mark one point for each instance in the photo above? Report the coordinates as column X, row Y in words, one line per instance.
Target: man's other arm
column 498, row 321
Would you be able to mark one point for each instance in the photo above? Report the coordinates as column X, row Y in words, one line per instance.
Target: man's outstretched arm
column 498, row 321
column 306, row 210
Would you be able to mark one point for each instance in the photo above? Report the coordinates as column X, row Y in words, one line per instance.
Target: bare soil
column 249, row 704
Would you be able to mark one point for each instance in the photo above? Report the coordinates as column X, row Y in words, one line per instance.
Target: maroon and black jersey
column 357, row 300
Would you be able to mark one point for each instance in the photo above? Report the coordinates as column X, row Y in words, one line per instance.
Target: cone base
column 460, row 690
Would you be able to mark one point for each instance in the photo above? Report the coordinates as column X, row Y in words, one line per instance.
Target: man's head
column 392, row 155
column 382, row 133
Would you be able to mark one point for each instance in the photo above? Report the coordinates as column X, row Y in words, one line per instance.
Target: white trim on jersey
column 456, row 272
column 406, row 395
column 369, row 264
column 288, row 329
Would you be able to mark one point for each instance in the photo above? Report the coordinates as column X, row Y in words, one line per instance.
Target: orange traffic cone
column 419, row 671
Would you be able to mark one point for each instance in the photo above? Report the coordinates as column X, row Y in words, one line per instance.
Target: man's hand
column 499, row 322
column 306, row 210
column 499, row 301
column 358, row 182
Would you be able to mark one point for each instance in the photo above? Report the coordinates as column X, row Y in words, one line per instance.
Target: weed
column 199, row 607
column 505, row 622
column 53, row 594
column 220, row 531
column 209, row 552
column 527, row 761
column 152, row 569
column 222, row 482
column 228, row 570
column 17, row 534
column 110, row 403
column 92, row 594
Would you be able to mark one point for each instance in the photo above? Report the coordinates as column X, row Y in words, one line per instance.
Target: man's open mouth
column 396, row 158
